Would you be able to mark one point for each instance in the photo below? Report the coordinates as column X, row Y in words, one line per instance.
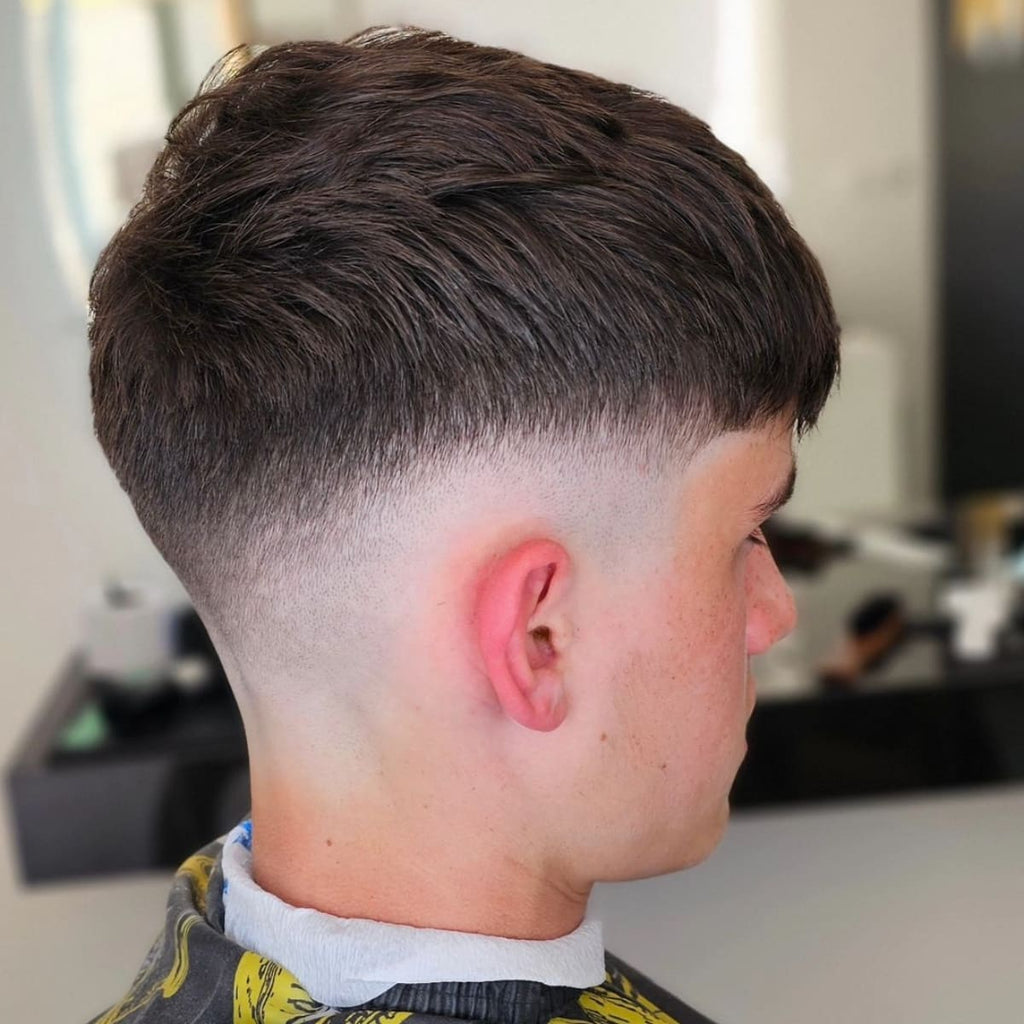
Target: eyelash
column 758, row 537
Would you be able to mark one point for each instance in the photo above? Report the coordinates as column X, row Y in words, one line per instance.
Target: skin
column 551, row 705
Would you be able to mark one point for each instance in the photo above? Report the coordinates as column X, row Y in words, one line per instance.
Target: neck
column 413, row 862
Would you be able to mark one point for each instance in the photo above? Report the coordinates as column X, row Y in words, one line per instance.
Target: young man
column 456, row 388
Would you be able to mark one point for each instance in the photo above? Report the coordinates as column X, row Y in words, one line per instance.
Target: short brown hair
column 354, row 257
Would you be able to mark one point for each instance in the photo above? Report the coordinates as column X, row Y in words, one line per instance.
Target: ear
column 521, row 632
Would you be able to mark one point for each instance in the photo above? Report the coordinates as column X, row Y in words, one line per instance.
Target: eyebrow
column 767, row 508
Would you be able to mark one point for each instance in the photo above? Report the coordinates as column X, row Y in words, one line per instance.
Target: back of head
column 394, row 358
column 356, row 262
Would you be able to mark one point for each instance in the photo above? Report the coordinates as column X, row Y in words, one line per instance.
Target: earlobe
column 517, row 614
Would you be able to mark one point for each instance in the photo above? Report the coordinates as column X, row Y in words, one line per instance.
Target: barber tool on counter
column 144, row 654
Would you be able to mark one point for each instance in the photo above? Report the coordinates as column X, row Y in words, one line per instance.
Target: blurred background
column 873, row 871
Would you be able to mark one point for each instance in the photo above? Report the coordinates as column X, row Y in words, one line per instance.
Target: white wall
column 856, row 97
column 662, row 45
column 63, row 520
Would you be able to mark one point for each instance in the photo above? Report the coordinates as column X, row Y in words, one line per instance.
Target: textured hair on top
column 353, row 259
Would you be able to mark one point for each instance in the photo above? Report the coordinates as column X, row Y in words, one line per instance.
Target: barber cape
column 195, row 974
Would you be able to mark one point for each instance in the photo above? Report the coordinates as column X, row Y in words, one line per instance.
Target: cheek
column 711, row 700
column 708, row 633
column 696, row 671
column 679, row 670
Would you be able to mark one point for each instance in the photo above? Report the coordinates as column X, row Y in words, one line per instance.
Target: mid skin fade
column 552, row 690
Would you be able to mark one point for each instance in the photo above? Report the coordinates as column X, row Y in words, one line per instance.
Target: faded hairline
column 253, row 560
column 294, row 591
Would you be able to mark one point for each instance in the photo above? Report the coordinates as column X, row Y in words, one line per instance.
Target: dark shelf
column 128, row 802
column 965, row 730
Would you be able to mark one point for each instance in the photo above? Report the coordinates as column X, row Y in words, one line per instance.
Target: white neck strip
column 347, row 961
